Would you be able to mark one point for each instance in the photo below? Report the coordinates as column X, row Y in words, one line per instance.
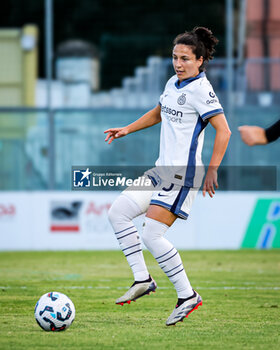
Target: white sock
column 167, row 256
column 121, row 213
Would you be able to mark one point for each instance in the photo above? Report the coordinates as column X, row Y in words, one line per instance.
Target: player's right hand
column 115, row 133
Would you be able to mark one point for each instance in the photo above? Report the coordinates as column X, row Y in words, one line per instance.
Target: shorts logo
column 81, row 178
column 211, row 94
column 181, row 99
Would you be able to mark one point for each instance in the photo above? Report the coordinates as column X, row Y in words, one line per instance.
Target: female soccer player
column 186, row 106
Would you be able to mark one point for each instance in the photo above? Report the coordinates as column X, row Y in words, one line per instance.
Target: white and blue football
column 54, row 312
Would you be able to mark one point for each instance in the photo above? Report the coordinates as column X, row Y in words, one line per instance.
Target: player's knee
column 149, row 235
column 114, row 213
column 117, row 212
column 152, row 232
column 111, row 214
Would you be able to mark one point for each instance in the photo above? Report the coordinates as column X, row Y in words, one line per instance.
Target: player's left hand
column 211, row 179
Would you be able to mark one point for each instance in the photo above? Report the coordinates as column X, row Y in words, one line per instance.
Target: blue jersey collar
column 189, row 80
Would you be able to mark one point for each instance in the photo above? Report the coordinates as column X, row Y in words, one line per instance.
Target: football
column 54, row 312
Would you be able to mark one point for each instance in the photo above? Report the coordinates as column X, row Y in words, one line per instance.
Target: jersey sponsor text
column 169, row 110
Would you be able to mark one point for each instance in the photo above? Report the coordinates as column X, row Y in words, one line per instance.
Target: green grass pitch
column 240, row 291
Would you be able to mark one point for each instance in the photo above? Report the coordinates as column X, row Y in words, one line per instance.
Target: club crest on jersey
column 181, row 99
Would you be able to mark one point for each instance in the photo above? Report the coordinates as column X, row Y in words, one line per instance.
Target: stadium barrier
column 78, row 221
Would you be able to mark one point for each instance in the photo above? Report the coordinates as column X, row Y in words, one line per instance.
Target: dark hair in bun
column 201, row 40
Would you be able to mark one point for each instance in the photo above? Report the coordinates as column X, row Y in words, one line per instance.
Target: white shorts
column 177, row 199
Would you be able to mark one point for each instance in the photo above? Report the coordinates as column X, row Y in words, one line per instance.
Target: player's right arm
column 149, row 119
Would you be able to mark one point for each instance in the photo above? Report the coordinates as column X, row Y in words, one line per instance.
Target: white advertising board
column 78, row 221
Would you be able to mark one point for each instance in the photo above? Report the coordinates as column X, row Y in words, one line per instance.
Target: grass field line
column 165, row 288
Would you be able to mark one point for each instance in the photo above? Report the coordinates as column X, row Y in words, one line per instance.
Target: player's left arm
column 222, row 137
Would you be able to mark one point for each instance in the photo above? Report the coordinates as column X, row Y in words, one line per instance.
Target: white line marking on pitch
column 166, row 288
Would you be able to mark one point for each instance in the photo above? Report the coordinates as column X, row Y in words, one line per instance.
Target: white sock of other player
column 167, row 256
column 121, row 213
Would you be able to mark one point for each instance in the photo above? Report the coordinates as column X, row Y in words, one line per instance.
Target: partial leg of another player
column 157, row 221
column 121, row 213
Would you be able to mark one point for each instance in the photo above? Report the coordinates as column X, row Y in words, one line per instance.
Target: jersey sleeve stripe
column 212, row 113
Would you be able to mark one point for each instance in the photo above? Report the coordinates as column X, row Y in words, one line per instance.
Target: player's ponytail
column 201, row 40
column 207, row 38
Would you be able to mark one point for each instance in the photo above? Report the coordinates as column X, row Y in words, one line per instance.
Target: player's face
column 185, row 63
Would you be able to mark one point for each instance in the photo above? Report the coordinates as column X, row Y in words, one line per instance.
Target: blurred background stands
column 82, row 111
